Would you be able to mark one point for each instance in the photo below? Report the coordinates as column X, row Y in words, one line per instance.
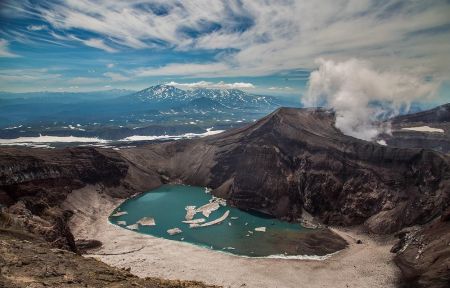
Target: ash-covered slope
column 296, row 159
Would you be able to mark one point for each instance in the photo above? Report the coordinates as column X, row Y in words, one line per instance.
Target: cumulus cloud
column 352, row 87
column 212, row 85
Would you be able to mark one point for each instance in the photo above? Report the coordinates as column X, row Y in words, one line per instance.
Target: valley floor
column 360, row 265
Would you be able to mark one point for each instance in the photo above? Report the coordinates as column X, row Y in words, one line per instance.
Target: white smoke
column 350, row 87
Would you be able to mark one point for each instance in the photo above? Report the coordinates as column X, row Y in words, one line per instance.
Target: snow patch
column 52, row 139
column 424, row 129
column 208, row 132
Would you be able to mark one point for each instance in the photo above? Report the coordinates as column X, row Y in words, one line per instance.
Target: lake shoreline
column 241, row 234
column 363, row 265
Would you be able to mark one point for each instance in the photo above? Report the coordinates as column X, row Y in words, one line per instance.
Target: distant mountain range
column 166, row 96
column 61, row 97
column 234, row 98
column 123, row 112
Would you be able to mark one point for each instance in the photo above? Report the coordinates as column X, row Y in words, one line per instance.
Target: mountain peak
column 228, row 98
column 162, row 87
column 161, row 92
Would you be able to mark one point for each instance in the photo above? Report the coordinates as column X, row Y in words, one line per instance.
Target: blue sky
column 265, row 47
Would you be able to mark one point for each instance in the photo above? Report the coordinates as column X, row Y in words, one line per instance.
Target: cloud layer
column 212, row 85
column 258, row 37
column 272, row 43
column 4, row 50
column 360, row 94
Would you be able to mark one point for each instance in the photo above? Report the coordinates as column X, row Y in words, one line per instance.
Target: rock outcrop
column 27, row 261
column 423, row 255
column 34, row 182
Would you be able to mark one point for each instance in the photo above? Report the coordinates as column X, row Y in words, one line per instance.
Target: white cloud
column 275, row 88
column 116, row 76
column 180, row 69
column 99, row 44
column 27, row 75
column 350, row 86
column 110, row 65
column 4, row 50
column 93, row 42
column 37, row 27
column 280, row 35
column 212, row 85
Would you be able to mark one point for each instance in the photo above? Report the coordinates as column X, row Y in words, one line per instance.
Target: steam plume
column 352, row 87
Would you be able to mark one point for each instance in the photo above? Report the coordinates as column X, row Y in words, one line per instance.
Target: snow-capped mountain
column 170, row 96
column 161, row 93
column 234, row 98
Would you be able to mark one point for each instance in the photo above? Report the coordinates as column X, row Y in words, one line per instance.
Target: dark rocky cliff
column 34, row 182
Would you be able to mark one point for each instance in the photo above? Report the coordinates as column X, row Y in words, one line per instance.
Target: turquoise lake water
column 235, row 235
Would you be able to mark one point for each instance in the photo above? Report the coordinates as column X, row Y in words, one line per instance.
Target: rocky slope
column 26, row 261
column 423, row 254
column 438, row 138
column 34, row 182
column 291, row 161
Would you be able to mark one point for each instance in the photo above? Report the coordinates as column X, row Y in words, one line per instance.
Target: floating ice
column 174, row 231
column 119, row 213
column 133, row 227
column 260, row 229
column 147, row 221
column 217, row 221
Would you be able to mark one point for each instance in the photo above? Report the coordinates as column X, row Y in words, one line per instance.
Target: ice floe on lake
column 174, row 231
column 147, row 221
